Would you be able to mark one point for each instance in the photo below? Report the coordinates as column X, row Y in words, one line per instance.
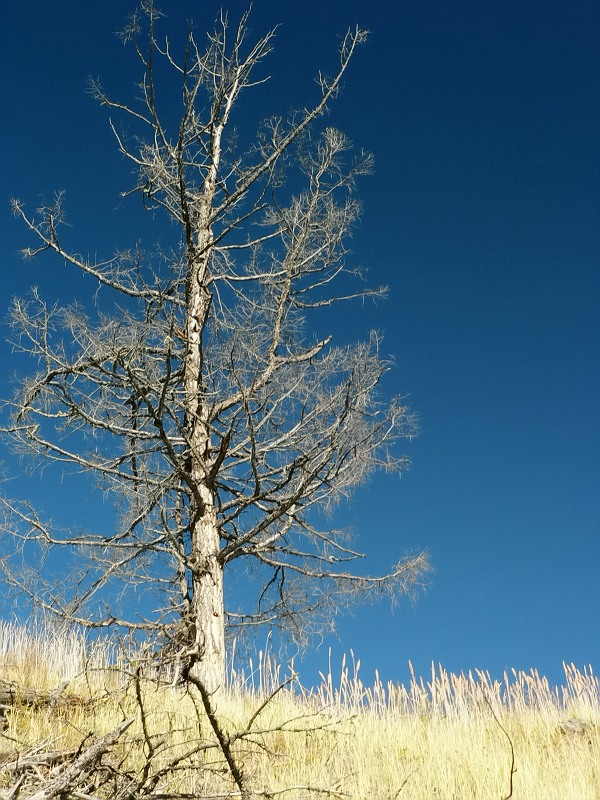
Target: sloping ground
column 79, row 723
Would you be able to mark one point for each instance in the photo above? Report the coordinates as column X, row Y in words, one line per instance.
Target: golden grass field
column 446, row 736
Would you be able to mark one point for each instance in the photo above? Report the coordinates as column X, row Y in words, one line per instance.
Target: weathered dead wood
column 68, row 779
column 12, row 694
column 13, row 762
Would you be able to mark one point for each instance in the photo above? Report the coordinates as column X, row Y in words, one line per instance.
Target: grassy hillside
column 445, row 736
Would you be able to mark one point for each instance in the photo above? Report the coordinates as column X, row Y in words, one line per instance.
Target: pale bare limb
column 194, row 392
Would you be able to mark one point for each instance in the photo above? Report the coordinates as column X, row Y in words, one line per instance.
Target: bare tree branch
column 193, row 393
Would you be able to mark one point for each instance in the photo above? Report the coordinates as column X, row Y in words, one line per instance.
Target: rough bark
column 208, row 609
column 69, row 779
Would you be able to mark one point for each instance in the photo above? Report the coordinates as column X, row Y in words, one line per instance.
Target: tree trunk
column 206, row 567
column 207, row 602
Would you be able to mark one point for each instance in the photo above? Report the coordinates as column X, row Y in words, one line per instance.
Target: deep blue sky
column 483, row 217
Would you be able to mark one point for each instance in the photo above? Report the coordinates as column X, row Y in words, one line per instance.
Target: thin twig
column 512, row 749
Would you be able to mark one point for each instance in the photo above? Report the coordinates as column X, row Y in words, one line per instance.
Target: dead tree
column 194, row 391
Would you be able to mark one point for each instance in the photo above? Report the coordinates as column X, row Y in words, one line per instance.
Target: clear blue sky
column 483, row 217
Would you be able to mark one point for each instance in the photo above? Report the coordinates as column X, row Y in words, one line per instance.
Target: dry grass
column 448, row 736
